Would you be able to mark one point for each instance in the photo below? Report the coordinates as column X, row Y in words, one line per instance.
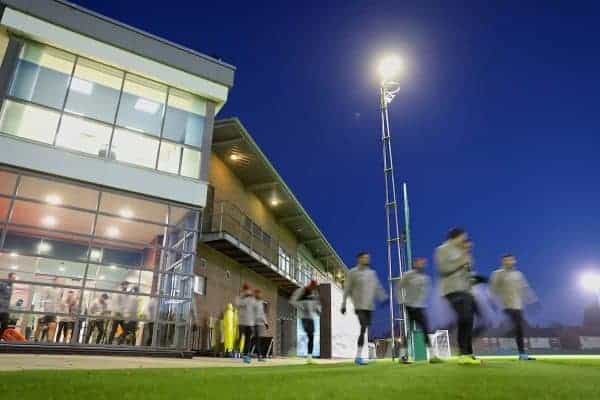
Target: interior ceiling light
column 49, row 221
column 235, row 157
column 54, row 199
column 44, row 247
column 82, row 86
column 95, row 254
column 113, row 231
column 126, row 213
column 146, row 106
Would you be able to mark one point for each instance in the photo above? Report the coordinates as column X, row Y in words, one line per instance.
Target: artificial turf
column 496, row 379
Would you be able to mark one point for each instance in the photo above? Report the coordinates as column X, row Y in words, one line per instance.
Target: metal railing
column 227, row 218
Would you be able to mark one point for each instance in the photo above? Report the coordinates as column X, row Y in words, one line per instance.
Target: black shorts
column 364, row 317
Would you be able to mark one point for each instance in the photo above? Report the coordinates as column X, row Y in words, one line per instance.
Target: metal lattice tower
column 395, row 263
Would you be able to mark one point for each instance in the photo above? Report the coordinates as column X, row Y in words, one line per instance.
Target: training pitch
column 564, row 378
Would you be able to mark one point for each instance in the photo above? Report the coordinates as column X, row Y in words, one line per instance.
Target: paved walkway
column 20, row 362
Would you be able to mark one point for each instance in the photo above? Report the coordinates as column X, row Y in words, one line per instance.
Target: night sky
column 496, row 128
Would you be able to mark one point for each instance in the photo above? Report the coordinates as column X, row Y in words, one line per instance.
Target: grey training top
column 247, row 310
column 512, row 288
column 453, row 264
column 413, row 289
column 363, row 287
column 308, row 305
column 260, row 318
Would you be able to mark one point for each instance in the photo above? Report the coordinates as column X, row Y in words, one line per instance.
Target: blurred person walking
column 363, row 287
column 413, row 290
column 307, row 302
column 246, row 304
column 514, row 291
column 454, row 267
column 261, row 325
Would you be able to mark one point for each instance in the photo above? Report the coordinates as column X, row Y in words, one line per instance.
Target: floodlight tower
column 390, row 69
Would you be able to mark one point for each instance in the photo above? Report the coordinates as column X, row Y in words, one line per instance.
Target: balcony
column 228, row 230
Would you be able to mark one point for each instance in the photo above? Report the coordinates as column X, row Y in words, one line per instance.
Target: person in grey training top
column 6, row 288
column 261, row 325
column 454, row 267
column 307, row 302
column 512, row 288
column 363, row 287
column 413, row 290
column 246, row 319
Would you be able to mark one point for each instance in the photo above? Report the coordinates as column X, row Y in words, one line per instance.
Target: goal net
column 440, row 342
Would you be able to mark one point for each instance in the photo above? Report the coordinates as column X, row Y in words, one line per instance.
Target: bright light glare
column 49, row 221
column 113, row 231
column 44, row 247
column 591, row 281
column 126, row 213
column 53, row 199
column 82, row 86
column 95, row 255
column 146, row 106
column 390, row 67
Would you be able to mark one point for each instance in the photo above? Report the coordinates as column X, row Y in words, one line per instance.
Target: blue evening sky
column 496, row 128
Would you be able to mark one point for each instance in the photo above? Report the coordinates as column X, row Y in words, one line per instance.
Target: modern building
column 128, row 215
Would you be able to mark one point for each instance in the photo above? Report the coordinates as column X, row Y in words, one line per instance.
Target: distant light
column 14, row 267
column 390, row 67
column 146, row 106
column 591, row 281
column 14, row 255
column 113, row 267
column 44, row 247
column 101, row 277
column 61, row 269
column 95, row 254
column 82, row 86
column 126, row 213
column 113, row 232
column 54, row 199
column 275, row 202
column 49, row 221
column 235, row 157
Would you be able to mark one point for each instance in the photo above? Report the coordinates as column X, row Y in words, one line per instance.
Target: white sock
column 309, row 357
column 359, row 352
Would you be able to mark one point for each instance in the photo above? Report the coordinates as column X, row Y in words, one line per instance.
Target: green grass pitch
column 496, row 379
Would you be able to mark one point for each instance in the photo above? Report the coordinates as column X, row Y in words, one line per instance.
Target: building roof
column 99, row 27
column 235, row 146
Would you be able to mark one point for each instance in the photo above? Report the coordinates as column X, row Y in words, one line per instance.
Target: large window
column 77, row 104
column 93, row 266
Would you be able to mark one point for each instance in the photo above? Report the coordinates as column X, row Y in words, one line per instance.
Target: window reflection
column 42, row 75
column 98, row 286
column 28, row 122
column 169, row 156
column 83, row 135
column 134, row 148
column 7, row 182
column 90, row 95
column 142, row 105
column 190, row 163
column 94, row 91
column 57, row 193
column 184, row 120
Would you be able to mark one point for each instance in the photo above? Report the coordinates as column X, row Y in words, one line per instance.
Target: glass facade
column 77, row 104
column 95, row 267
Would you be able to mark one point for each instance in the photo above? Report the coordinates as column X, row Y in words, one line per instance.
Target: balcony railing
column 227, row 221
